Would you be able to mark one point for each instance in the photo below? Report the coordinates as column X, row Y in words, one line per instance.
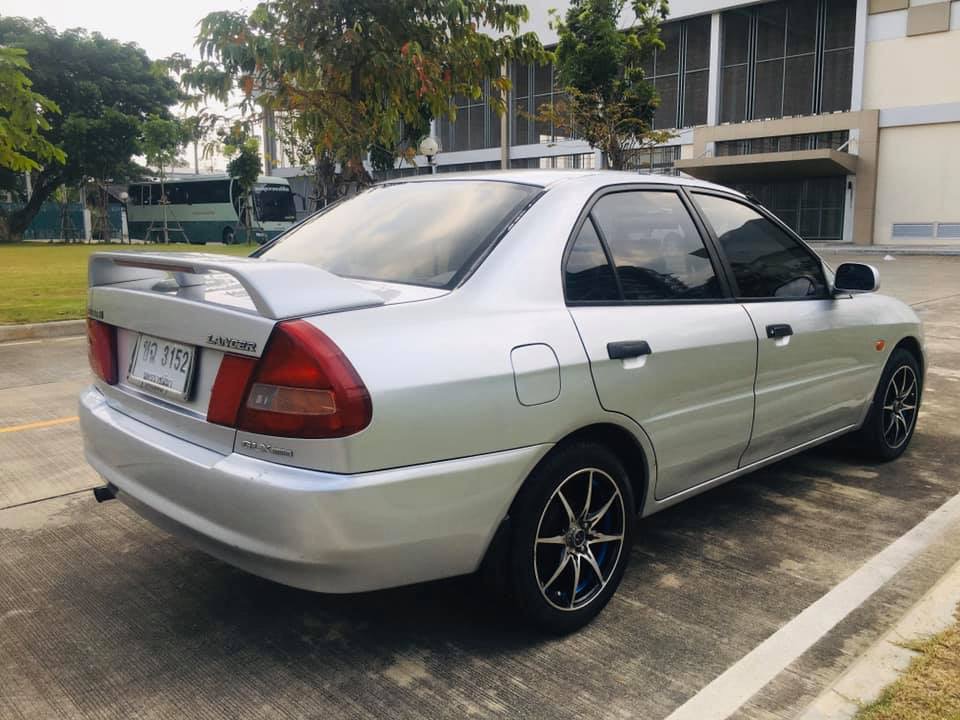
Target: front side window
column 656, row 249
column 766, row 261
column 419, row 233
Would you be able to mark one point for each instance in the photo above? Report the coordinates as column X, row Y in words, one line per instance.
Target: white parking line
column 68, row 338
column 728, row 692
column 19, row 342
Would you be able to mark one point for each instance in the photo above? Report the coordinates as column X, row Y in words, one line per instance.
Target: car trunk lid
column 207, row 306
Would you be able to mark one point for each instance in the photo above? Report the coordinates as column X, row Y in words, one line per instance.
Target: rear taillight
column 229, row 389
column 303, row 386
column 102, row 350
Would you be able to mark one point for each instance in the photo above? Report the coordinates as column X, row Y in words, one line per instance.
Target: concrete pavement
column 104, row 616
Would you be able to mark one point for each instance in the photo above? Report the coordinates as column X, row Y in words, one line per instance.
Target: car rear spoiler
column 278, row 289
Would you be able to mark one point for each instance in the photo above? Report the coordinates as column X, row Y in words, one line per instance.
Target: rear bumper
column 314, row 530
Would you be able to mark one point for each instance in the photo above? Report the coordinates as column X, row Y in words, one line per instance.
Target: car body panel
column 443, row 387
column 817, row 380
column 319, row 531
column 693, row 394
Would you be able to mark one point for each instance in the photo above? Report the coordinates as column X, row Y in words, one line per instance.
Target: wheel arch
column 625, row 446
column 912, row 346
column 638, row 461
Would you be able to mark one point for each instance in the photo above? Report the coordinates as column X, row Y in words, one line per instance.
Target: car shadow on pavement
column 799, row 496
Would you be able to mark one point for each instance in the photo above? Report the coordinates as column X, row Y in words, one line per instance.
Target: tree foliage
column 244, row 167
column 163, row 139
column 104, row 89
column 350, row 77
column 23, row 117
column 608, row 103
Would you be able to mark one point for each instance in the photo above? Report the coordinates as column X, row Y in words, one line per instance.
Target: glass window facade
column 565, row 162
column 811, row 207
column 783, row 143
column 656, row 161
column 792, row 57
column 466, row 167
column 680, row 72
column 534, row 86
column 476, row 126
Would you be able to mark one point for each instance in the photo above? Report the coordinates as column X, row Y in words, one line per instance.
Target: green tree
column 353, row 77
column 245, row 168
column 23, row 117
column 608, row 102
column 104, row 89
column 102, row 147
column 163, row 139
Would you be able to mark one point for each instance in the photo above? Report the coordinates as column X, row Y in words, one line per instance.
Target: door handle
column 779, row 331
column 627, row 349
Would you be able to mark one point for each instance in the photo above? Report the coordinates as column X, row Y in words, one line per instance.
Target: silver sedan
column 499, row 372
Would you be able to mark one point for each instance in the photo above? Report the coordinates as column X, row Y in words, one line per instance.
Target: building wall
column 918, row 182
column 918, row 70
column 903, row 122
column 911, row 59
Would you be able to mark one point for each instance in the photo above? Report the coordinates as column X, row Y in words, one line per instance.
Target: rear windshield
column 420, row 233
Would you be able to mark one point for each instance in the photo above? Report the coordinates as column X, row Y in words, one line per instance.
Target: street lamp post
column 429, row 147
column 124, row 228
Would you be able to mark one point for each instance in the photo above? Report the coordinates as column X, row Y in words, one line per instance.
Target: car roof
column 591, row 179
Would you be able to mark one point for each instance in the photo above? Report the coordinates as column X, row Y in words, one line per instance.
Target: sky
column 161, row 28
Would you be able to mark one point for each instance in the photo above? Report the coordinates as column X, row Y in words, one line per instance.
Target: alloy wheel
column 579, row 539
column 900, row 406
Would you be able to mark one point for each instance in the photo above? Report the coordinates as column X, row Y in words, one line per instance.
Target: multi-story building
column 841, row 116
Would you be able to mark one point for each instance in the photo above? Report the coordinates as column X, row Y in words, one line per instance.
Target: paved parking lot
column 104, row 616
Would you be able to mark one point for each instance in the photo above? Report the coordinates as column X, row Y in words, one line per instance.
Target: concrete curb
column 40, row 331
column 887, row 659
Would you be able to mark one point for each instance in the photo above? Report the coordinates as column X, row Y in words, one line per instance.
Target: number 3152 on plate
column 162, row 366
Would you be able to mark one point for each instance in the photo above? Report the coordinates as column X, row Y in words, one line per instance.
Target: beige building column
column 865, row 187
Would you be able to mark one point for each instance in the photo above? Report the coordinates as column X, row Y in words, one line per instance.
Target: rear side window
column 420, row 233
column 589, row 277
column 657, row 251
column 766, row 261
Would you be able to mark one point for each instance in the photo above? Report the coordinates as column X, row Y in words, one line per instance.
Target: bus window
column 274, row 203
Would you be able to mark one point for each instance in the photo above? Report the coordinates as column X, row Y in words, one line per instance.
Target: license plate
column 162, row 366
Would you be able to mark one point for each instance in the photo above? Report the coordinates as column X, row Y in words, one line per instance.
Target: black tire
column 892, row 418
column 227, row 237
column 542, row 577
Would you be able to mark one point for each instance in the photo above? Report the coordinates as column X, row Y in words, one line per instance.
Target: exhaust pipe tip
column 105, row 492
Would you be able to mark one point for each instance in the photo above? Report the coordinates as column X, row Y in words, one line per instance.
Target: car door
column 816, row 364
column 666, row 344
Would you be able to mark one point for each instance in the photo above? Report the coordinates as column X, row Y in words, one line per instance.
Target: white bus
column 208, row 209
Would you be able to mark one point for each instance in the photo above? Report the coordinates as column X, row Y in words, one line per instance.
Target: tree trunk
column 5, row 234
column 163, row 206
column 15, row 224
column 106, row 234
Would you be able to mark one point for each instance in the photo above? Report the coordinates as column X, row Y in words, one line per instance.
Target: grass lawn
column 48, row 281
column 930, row 689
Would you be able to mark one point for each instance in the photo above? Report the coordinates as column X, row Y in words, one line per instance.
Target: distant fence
column 54, row 222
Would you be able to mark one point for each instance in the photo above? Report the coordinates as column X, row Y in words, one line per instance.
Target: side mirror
column 856, row 278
